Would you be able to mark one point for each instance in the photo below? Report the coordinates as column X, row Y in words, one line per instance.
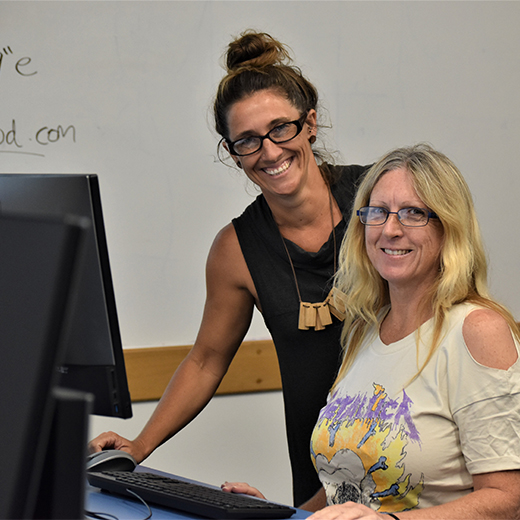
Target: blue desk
column 132, row 509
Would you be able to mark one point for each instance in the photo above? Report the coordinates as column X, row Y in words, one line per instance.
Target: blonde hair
column 462, row 268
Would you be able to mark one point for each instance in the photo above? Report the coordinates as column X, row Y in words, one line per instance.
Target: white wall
column 236, row 438
column 135, row 81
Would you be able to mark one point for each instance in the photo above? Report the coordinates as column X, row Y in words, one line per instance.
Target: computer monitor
column 94, row 359
column 38, row 260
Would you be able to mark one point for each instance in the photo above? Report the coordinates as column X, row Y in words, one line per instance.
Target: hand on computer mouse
column 113, row 441
column 111, row 460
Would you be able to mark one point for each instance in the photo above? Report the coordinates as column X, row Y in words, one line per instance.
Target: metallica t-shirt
column 395, row 445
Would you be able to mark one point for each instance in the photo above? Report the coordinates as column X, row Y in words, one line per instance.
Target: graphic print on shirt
column 359, row 449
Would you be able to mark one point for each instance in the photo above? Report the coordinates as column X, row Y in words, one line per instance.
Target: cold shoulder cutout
column 489, row 339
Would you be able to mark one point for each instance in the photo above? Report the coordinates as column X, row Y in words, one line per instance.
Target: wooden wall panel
column 254, row 369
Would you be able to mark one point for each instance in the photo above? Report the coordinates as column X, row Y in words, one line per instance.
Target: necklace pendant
column 337, row 303
column 318, row 315
column 314, row 315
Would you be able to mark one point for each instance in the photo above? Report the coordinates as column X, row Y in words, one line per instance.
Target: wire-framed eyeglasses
column 410, row 217
column 278, row 135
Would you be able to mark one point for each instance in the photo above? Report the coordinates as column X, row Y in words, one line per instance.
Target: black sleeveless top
column 308, row 359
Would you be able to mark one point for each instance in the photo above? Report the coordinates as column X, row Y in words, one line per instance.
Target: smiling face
column 406, row 257
column 278, row 169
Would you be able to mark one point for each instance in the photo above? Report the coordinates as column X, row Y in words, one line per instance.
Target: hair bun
column 255, row 49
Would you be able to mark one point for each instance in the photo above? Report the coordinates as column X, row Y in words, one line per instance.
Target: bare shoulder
column 226, row 263
column 226, row 239
column 225, row 253
column 489, row 339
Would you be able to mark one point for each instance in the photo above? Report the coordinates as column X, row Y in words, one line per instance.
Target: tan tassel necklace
column 318, row 315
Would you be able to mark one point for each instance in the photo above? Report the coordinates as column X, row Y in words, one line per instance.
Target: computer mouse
column 111, row 460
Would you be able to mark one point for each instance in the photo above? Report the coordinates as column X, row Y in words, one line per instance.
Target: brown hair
column 256, row 61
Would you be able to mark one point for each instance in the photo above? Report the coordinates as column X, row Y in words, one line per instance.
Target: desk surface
column 132, row 509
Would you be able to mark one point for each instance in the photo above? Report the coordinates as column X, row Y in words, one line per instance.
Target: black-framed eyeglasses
column 278, row 135
column 410, row 217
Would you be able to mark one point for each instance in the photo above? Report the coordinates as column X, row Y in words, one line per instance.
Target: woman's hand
column 242, row 488
column 348, row 511
column 113, row 441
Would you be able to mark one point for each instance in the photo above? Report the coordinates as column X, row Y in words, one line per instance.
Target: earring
column 312, row 139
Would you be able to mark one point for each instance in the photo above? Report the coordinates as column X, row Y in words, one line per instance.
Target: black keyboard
column 187, row 496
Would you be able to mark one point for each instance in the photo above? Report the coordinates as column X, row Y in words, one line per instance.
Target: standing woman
column 280, row 255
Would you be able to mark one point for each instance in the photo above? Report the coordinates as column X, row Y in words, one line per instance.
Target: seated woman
column 423, row 420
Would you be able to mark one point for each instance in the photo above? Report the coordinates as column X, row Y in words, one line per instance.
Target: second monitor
column 94, row 359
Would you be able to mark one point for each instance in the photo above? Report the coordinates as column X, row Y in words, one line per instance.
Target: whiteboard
column 124, row 90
